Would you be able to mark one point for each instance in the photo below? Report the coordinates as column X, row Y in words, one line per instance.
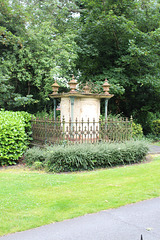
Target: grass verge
column 157, row 143
column 30, row 199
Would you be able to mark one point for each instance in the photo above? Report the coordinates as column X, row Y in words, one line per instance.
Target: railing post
column 54, row 109
column 76, row 130
column 100, row 128
column 72, row 111
column 131, row 120
column 45, row 127
column 94, row 129
column 82, row 130
column 88, row 129
column 106, row 108
column 63, row 128
column 70, row 128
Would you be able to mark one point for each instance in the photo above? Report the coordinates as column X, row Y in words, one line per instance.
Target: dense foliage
column 14, row 136
column 86, row 156
column 45, row 40
column 156, row 127
column 137, row 130
column 120, row 40
column 36, row 45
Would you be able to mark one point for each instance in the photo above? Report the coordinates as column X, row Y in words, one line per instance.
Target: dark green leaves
column 14, row 136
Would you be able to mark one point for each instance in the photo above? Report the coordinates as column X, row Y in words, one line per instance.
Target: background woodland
column 44, row 40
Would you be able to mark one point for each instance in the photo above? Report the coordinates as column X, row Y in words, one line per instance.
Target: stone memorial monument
column 78, row 105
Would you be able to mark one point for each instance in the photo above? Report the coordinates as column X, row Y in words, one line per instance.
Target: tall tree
column 35, row 48
column 120, row 41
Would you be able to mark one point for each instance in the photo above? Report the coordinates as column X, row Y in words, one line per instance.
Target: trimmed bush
column 27, row 121
column 35, row 154
column 88, row 156
column 13, row 136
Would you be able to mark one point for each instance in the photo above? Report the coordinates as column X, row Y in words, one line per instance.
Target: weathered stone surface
column 83, row 108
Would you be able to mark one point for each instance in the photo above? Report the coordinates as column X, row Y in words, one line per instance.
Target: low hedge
column 14, row 135
column 34, row 155
column 87, row 156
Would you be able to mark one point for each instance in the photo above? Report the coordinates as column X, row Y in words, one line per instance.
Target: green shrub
column 35, row 154
column 87, row 156
column 27, row 121
column 15, row 130
column 146, row 119
column 137, row 130
column 38, row 165
column 156, row 127
column 13, row 139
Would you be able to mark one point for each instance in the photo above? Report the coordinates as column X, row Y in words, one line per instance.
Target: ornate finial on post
column 86, row 89
column 55, row 87
column 106, row 86
column 73, row 84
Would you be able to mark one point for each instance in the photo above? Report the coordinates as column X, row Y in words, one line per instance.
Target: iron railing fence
column 55, row 131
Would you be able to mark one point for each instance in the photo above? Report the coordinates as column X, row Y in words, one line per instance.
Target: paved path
column 153, row 149
column 124, row 223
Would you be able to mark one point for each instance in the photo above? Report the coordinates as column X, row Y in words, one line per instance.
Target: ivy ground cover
column 30, row 199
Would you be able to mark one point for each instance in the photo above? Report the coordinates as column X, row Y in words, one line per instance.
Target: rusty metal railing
column 55, row 131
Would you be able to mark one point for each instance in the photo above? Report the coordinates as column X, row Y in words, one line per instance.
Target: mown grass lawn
column 30, row 199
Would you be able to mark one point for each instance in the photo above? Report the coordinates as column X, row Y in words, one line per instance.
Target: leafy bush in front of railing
column 14, row 137
column 87, row 156
column 137, row 130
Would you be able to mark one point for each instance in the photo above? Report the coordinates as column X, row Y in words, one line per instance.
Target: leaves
column 120, row 41
column 34, row 51
column 41, row 41
column 14, row 135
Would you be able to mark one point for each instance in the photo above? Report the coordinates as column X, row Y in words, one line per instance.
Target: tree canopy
column 35, row 48
column 120, row 41
column 95, row 39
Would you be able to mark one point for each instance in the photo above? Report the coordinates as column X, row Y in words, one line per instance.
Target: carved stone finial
column 106, row 86
column 73, row 84
column 55, row 87
column 86, row 89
